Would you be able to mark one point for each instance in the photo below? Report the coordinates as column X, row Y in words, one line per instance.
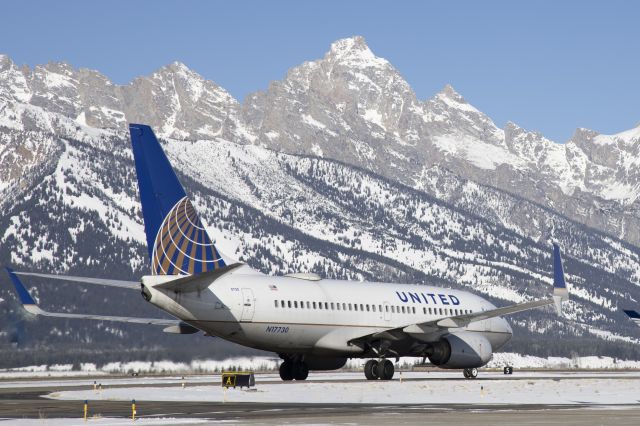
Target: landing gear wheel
column 286, row 371
column 300, row 371
column 371, row 369
column 470, row 373
column 385, row 370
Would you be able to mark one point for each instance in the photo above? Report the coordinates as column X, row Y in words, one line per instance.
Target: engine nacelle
column 461, row 350
column 316, row 363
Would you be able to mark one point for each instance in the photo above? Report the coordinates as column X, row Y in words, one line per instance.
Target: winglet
column 25, row 298
column 560, row 292
column 634, row 315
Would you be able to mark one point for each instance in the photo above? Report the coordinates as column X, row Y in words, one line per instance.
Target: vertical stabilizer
column 177, row 242
column 560, row 292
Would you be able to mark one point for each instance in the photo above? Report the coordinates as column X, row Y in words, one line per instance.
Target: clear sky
column 550, row 66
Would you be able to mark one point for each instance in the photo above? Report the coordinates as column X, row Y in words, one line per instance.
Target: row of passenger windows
column 362, row 307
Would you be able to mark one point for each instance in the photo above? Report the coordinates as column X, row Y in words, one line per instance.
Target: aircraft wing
column 132, row 285
column 173, row 326
column 634, row 315
column 560, row 294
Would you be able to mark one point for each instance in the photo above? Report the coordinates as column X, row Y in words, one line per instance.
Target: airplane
column 634, row 315
column 311, row 323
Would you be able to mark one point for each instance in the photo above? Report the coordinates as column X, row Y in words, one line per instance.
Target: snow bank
column 586, row 362
column 267, row 364
column 566, row 388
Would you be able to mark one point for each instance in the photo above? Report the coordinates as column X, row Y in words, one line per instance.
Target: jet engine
column 461, row 350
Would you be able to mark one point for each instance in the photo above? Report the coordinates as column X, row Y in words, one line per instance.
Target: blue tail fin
column 634, row 315
column 177, row 242
column 560, row 291
column 23, row 294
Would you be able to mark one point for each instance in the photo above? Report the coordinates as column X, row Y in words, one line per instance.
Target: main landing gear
column 382, row 369
column 470, row 373
column 294, row 369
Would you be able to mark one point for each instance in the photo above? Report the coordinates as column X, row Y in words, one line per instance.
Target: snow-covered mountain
column 338, row 169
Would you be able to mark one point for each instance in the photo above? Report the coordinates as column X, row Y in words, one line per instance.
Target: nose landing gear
column 382, row 369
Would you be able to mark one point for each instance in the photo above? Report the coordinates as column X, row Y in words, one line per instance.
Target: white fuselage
column 294, row 315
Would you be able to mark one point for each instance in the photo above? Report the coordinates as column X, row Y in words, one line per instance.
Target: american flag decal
column 272, row 287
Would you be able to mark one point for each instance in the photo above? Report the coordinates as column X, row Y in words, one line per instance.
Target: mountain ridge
column 338, row 169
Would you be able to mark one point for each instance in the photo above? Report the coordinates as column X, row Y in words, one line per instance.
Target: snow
column 440, row 387
column 374, row 117
column 315, row 148
column 306, row 118
column 455, row 104
column 481, row 154
column 353, row 52
column 82, row 119
column 143, row 367
column 515, row 360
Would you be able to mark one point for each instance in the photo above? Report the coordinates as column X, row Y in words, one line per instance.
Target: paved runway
column 23, row 399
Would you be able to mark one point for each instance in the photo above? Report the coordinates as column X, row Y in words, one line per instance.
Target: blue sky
column 550, row 66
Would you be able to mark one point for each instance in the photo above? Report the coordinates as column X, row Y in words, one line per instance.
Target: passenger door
column 387, row 311
column 248, row 305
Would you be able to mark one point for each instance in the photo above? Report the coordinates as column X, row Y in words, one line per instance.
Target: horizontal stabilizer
column 133, row 285
column 196, row 283
column 30, row 306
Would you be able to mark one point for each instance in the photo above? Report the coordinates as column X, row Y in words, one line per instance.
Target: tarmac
column 25, row 399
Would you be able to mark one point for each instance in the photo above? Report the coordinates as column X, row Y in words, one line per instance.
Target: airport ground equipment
column 241, row 379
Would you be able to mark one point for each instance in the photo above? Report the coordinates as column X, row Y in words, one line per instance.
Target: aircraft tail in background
column 177, row 242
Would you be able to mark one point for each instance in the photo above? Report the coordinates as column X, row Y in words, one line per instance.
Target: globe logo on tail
column 182, row 245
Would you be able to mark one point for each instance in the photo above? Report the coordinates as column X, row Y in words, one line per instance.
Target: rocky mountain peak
column 583, row 136
column 449, row 92
column 5, row 62
column 353, row 52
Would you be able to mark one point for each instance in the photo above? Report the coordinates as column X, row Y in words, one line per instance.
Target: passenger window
column 308, row 305
column 403, row 310
column 373, row 308
column 295, row 304
column 344, row 306
column 289, row 303
column 319, row 305
column 332, row 306
column 367, row 307
column 393, row 309
column 355, row 307
column 414, row 309
column 361, row 307
column 386, row 308
column 440, row 311
column 380, row 306
column 338, row 306
column 326, row 305
column 350, row 306
column 314, row 305
column 276, row 303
